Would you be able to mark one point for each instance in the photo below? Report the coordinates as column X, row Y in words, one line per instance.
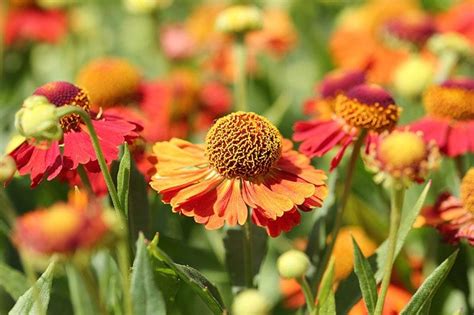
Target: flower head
column 413, row 28
column 239, row 19
column 293, row 264
column 250, row 302
column 450, row 42
column 245, row 163
column 413, row 76
column 401, row 156
column 467, row 190
column 145, row 6
column 177, row 42
column 109, row 81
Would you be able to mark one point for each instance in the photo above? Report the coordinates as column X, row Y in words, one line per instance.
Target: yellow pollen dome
column 109, row 81
column 402, row 149
column 243, row 145
column 454, row 99
column 60, row 222
column 467, row 190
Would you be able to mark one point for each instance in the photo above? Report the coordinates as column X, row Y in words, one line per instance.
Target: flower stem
column 240, row 93
column 67, row 110
column 248, row 259
column 308, row 295
column 447, row 62
column 459, row 163
column 6, row 207
column 84, row 179
column 397, row 196
column 340, row 210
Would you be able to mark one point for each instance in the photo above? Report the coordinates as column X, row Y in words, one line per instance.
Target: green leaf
column 108, row 276
column 123, row 179
column 366, row 278
column 422, row 298
column 146, row 296
column 26, row 304
column 326, row 301
column 82, row 302
column 13, row 281
column 138, row 207
column 348, row 291
column 193, row 278
column 234, row 247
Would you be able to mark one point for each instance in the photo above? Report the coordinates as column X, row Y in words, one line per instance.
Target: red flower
column 362, row 107
column 75, row 148
column 33, row 24
column 450, row 116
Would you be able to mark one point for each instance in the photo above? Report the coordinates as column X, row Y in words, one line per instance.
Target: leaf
column 366, row 278
column 13, row 281
column 326, row 301
column 193, row 278
column 146, row 296
column 108, row 276
column 348, row 292
column 80, row 294
column 423, row 296
column 123, row 179
column 26, row 304
column 138, row 207
column 234, row 247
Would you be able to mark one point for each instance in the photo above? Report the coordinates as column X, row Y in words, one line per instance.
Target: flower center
column 368, row 106
column 243, row 145
column 402, row 149
column 467, row 190
column 63, row 93
column 454, row 99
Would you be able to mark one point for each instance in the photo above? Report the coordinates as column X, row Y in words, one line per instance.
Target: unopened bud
column 413, row 76
column 250, row 302
column 145, row 6
column 239, row 19
column 293, row 264
column 7, row 168
column 450, row 42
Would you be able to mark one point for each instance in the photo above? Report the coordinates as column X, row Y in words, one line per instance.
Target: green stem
column 248, row 259
column 340, row 210
column 459, row 163
column 6, row 207
column 123, row 260
column 397, row 196
column 84, row 179
column 67, row 110
column 32, row 279
column 447, row 62
column 308, row 295
column 240, row 93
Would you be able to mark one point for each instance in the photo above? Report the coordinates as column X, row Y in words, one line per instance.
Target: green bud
column 239, row 19
column 250, row 302
column 450, row 42
column 293, row 264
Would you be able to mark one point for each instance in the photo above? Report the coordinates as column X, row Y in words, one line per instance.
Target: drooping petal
column 281, row 224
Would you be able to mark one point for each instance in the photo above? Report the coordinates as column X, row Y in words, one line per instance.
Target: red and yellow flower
column 395, row 302
column 245, row 163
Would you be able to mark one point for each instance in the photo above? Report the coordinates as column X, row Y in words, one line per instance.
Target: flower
column 293, row 264
column 38, row 120
column 450, row 42
column 414, row 28
column 65, row 228
column 145, row 6
column 245, row 163
column 396, row 300
column 413, row 76
column 239, row 19
column 109, row 82
column 450, row 116
column 7, row 168
column 75, row 147
column 365, row 106
column 401, row 157
column 459, row 18
column 177, row 42
column 250, row 302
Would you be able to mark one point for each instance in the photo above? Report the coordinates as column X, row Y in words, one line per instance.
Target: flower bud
column 413, row 76
column 293, row 264
column 145, row 6
column 239, row 19
column 7, row 168
column 37, row 120
column 250, row 302
column 450, row 42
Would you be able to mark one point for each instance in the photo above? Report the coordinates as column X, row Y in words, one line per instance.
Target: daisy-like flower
column 65, row 228
column 245, row 163
column 365, row 106
column 414, row 28
column 401, row 156
column 450, row 116
column 452, row 216
column 75, row 147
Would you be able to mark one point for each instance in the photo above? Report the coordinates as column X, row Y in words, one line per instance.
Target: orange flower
column 459, row 18
column 396, row 300
column 64, row 228
column 245, row 163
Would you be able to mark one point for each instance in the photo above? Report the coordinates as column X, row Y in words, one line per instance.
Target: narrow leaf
column 13, row 281
column 366, row 278
column 193, row 278
column 326, row 301
column 123, row 179
column 146, row 296
column 82, row 301
column 138, row 207
column 424, row 295
column 26, row 304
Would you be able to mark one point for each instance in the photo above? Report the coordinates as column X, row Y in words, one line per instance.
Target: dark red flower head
column 340, row 81
column 415, row 29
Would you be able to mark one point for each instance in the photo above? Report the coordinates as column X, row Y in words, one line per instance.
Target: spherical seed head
column 293, row 264
column 368, row 106
column 243, row 145
column 239, row 19
column 62, row 93
column 340, row 81
column 467, row 190
column 250, row 302
column 109, row 81
column 453, row 99
column 402, row 149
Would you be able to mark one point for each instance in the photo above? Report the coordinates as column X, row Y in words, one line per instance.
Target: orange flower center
column 467, row 190
column 454, row 99
column 64, row 93
column 243, row 145
column 369, row 107
column 402, row 149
